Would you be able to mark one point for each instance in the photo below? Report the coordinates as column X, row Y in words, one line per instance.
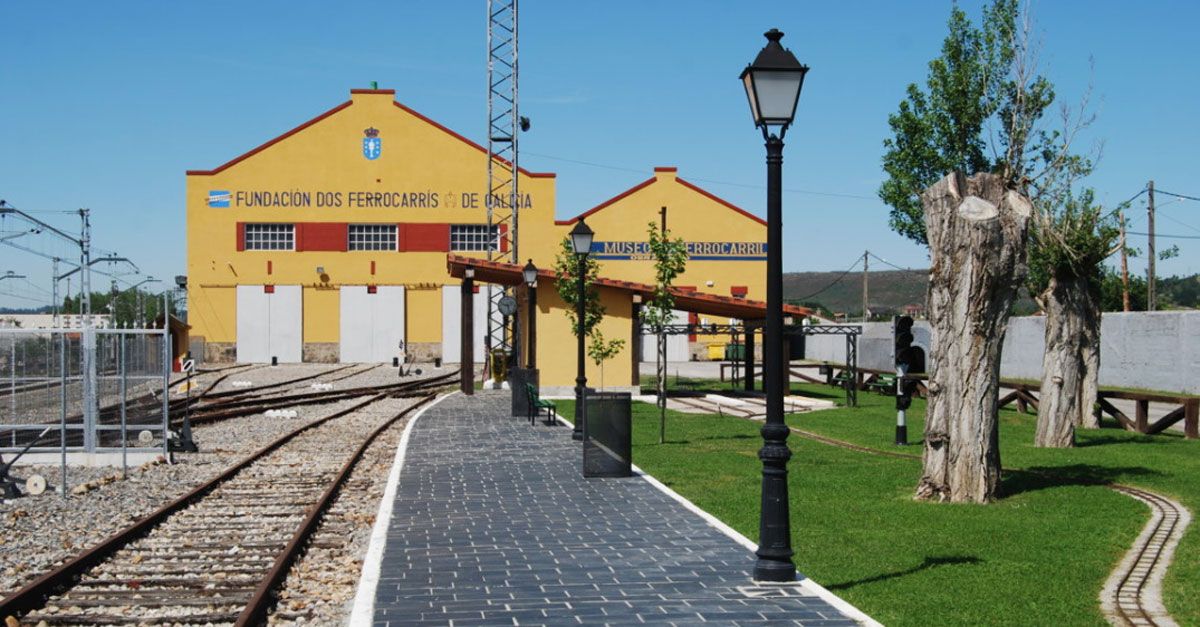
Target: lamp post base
column 774, row 571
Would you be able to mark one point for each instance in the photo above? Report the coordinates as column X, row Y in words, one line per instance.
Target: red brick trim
column 390, row 92
column 503, row 238
column 666, row 168
column 270, row 143
column 722, row 201
column 468, row 142
column 241, row 236
column 606, row 203
column 424, row 237
column 738, row 290
column 322, row 236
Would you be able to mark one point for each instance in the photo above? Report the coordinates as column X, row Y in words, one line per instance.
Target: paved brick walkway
column 493, row 524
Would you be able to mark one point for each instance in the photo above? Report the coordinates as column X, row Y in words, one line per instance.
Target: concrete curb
column 363, row 612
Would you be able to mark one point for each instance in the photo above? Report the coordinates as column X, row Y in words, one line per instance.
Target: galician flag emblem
column 372, row 145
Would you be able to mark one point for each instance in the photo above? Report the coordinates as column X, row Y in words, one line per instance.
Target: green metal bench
column 537, row 404
column 842, row 379
column 884, row 384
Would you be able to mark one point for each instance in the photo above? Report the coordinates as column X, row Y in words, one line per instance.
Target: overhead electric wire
column 1165, row 235
column 1183, row 196
column 835, row 282
column 702, row 180
column 1179, row 222
column 885, row 261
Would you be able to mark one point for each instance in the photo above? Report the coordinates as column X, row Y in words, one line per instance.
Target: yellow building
column 329, row 242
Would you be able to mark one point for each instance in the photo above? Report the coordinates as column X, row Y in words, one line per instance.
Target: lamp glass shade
column 773, row 95
column 773, row 83
column 581, row 238
column 529, row 273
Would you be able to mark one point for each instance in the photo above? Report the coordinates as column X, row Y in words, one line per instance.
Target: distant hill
column 888, row 290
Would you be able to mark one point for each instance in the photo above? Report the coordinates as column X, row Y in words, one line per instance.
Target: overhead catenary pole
column 866, row 267
column 1124, row 264
column 1150, row 295
column 88, row 336
column 661, row 355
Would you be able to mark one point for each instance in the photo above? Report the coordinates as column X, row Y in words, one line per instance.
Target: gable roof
column 345, row 105
column 651, row 181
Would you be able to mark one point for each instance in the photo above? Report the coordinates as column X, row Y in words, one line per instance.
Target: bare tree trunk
column 976, row 230
column 1089, row 394
column 1071, row 363
column 1062, row 365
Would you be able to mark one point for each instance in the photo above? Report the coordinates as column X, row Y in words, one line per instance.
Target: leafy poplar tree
column 981, row 111
column 670, row 259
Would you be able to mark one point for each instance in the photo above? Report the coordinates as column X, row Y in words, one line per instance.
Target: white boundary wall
column 1157, row 350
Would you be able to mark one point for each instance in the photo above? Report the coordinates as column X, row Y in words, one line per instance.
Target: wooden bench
column 537, row 404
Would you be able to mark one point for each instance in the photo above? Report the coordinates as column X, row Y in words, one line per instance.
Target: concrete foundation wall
column 320, row 352
column 220, row 352
column 1153, row 350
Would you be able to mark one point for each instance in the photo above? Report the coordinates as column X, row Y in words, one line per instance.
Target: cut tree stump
column 976, row 229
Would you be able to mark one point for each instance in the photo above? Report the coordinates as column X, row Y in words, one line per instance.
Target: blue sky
column 105, row 105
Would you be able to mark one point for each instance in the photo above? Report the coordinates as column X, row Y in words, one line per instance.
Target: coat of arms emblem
column 372, row 145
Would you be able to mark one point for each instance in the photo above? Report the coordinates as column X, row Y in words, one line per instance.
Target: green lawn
column 1037, row 557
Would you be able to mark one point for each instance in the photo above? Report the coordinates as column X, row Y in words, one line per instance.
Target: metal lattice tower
column 503, row 122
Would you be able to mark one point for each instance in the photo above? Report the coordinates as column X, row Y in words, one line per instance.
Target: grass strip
column 1038, row 556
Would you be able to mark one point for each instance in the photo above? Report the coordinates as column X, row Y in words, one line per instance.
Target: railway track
column 218, row 553
column 208, row 406
column 1132, row 595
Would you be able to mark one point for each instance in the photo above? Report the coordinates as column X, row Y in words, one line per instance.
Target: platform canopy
column 685, row 300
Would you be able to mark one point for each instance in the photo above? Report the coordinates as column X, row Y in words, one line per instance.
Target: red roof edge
column 712, row 196
column 451, row 133
column 513, row 271
column 666, row 168
column 606, row 203
column 270, row 143
column 390, row 92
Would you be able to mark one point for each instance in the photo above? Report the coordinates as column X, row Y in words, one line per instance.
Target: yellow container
column 716, row 352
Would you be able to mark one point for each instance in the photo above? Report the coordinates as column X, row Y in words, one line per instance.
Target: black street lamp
column 581, row 244
column 529, row 273
column 773, row 85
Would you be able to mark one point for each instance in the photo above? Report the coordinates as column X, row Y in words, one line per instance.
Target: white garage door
column 269, row 323
column 452, row 323
column 372, row 325
column 677, row 345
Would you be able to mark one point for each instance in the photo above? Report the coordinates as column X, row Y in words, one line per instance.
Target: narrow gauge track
column 1132, row 596
column 215, row 555
column 1136, row 598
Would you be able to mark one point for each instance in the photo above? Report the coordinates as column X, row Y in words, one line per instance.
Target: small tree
column 602, row 350
column 670, row 259
column 566, row 266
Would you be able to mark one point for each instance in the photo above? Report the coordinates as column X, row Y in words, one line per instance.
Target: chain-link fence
column 90, row 390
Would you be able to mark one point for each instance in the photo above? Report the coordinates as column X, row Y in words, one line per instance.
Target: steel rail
column 263, row 598
column 34, row 594
column 1164, row 527
column 219, row 413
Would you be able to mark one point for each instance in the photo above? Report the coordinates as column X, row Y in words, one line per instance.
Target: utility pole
column 87, row 336
column 1124, row 263
column 54, row 290
column 866, row 261
column 1150, row 295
